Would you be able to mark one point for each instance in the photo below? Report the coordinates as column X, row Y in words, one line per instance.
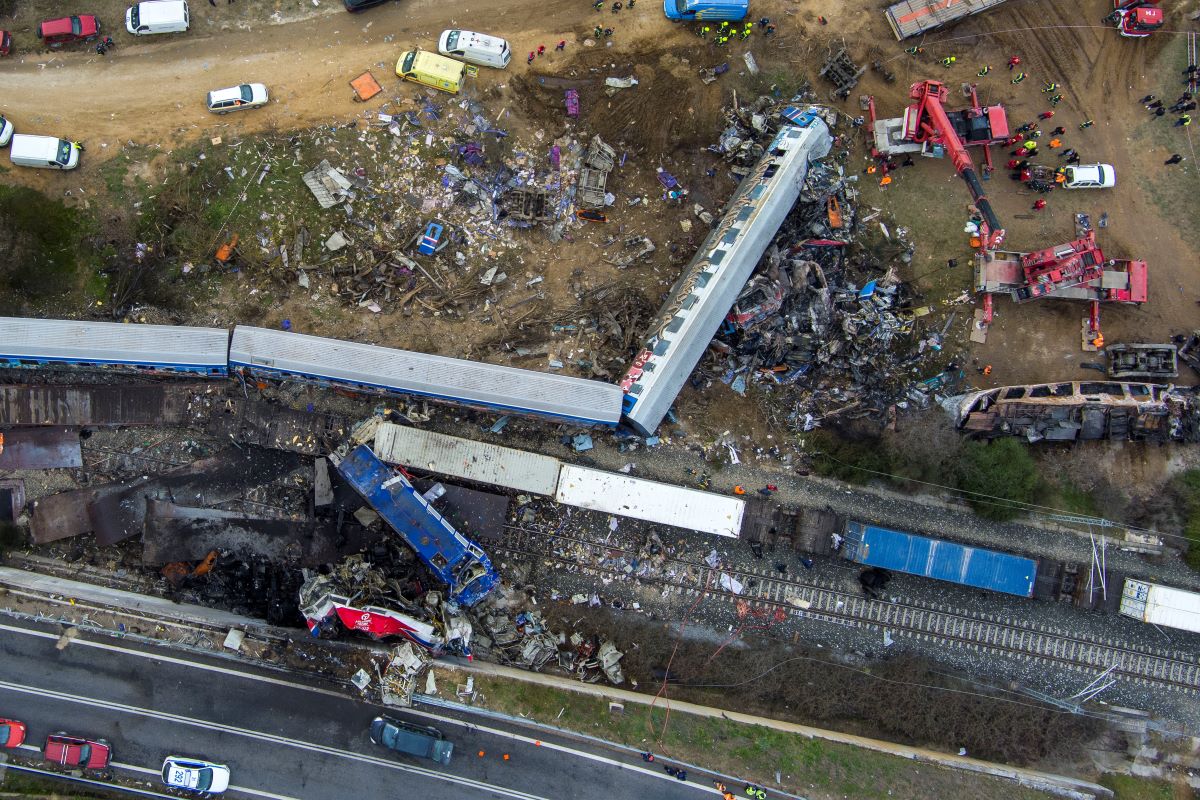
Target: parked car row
column 206, row 777
column 94, row 755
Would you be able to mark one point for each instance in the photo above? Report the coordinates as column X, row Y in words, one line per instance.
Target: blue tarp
column 945, row 561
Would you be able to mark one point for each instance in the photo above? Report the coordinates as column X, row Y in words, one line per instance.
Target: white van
column 43, row 151
column 475, row 48
column 6, row 131
column 157, row 16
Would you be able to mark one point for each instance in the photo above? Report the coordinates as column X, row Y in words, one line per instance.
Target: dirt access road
column 152, row 90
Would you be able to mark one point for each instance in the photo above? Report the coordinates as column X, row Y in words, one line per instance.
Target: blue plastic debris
column 739, row 385
column 286, row 324
column 867, row 291
column 498, row 425
column 652, row 441
column 581, row 442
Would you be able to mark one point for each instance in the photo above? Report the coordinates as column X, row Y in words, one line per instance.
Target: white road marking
column 340, row 695
column 266, row 737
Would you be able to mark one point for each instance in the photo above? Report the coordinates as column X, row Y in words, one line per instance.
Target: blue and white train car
column 281, row 355
column 110, row 345
column 710, row 284
column 453, row 558
column 934, row 558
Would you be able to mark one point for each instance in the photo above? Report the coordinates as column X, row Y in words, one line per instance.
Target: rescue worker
column 648, row 758
column 1046, row 115
column 1087, row 123
column 1048, row 87
column 541, row 51
column 1056, row 99
column 1020, row 77
column 1029, row 144
column 739, row 490
column 870, row 170
column 746, row 31
column 1183, row 121
column 984, row 70
column 723, row 40
column 1175, row 159
column 724, row 26
column 597, row 32
column 704, row 32
column 562, row 45
column 598, row 5
column 987, row 370
column 1148, row 99
column 949, row 61
column 1038, row 205
column 1055, row 144
column 884, row 181
column 529, row 60
column 1060, row 177
column 1013, row 61
column 769, row 29
column 914, row 51
column 608, row 31
column 616, row 7
column 1059, row 131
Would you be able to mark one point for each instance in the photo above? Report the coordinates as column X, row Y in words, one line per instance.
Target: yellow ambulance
column 431, row 69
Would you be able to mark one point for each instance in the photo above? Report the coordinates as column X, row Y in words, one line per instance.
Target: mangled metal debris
column 398, row 680
column 328, row 185
column 1080, row 410
column 593, row 177
column 842, row 72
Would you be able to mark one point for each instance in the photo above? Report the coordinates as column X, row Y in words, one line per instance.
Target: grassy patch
column 1127, row 787
column 1186, row 488
column 22, row 784
column 1069, row 497
column 812, row 767
column 40, row 239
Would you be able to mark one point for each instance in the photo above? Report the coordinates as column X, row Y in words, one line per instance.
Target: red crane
column 1136, row 19
column 928, row 121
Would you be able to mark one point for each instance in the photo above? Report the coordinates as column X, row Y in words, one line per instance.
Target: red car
column 5, row 43
column 55, row 32
column 12, row 733
column 70, row 751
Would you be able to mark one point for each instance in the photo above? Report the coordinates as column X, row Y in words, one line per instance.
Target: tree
column 1001, row 474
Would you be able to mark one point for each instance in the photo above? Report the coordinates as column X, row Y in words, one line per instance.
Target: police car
column 195, row 775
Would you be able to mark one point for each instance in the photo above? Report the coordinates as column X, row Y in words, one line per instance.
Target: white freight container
column 662, row 503
column 1161, row 605
column 463, row 458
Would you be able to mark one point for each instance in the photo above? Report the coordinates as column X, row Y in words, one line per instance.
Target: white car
column 1090, row 176
column 195, row 775
column 237, row 98
column 6, row 132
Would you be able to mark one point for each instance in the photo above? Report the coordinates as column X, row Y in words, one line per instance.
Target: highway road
column 282, row 738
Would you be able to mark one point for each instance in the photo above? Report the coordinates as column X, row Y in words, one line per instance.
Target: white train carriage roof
column 455, row 380
column 464, row 458
column 113, row 343
column 662, row 503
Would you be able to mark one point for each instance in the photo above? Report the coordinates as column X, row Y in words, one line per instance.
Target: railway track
column 956, row 627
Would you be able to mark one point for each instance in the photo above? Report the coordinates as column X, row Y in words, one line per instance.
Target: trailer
column 453, row 558
column 934, row 558
column 1161, row 605
column 915, row 17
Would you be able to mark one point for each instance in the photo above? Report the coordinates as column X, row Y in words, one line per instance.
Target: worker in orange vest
column 885, row 180
column 987, row 370
column 739, row 489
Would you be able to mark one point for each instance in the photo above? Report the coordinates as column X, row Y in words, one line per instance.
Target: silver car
column 237, row 98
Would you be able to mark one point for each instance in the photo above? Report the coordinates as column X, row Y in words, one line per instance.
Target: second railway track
column 957, row 627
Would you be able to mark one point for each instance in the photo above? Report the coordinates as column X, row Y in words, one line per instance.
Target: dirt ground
column 150, row 92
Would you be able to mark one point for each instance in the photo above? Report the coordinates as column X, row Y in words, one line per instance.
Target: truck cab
column 688, row 10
